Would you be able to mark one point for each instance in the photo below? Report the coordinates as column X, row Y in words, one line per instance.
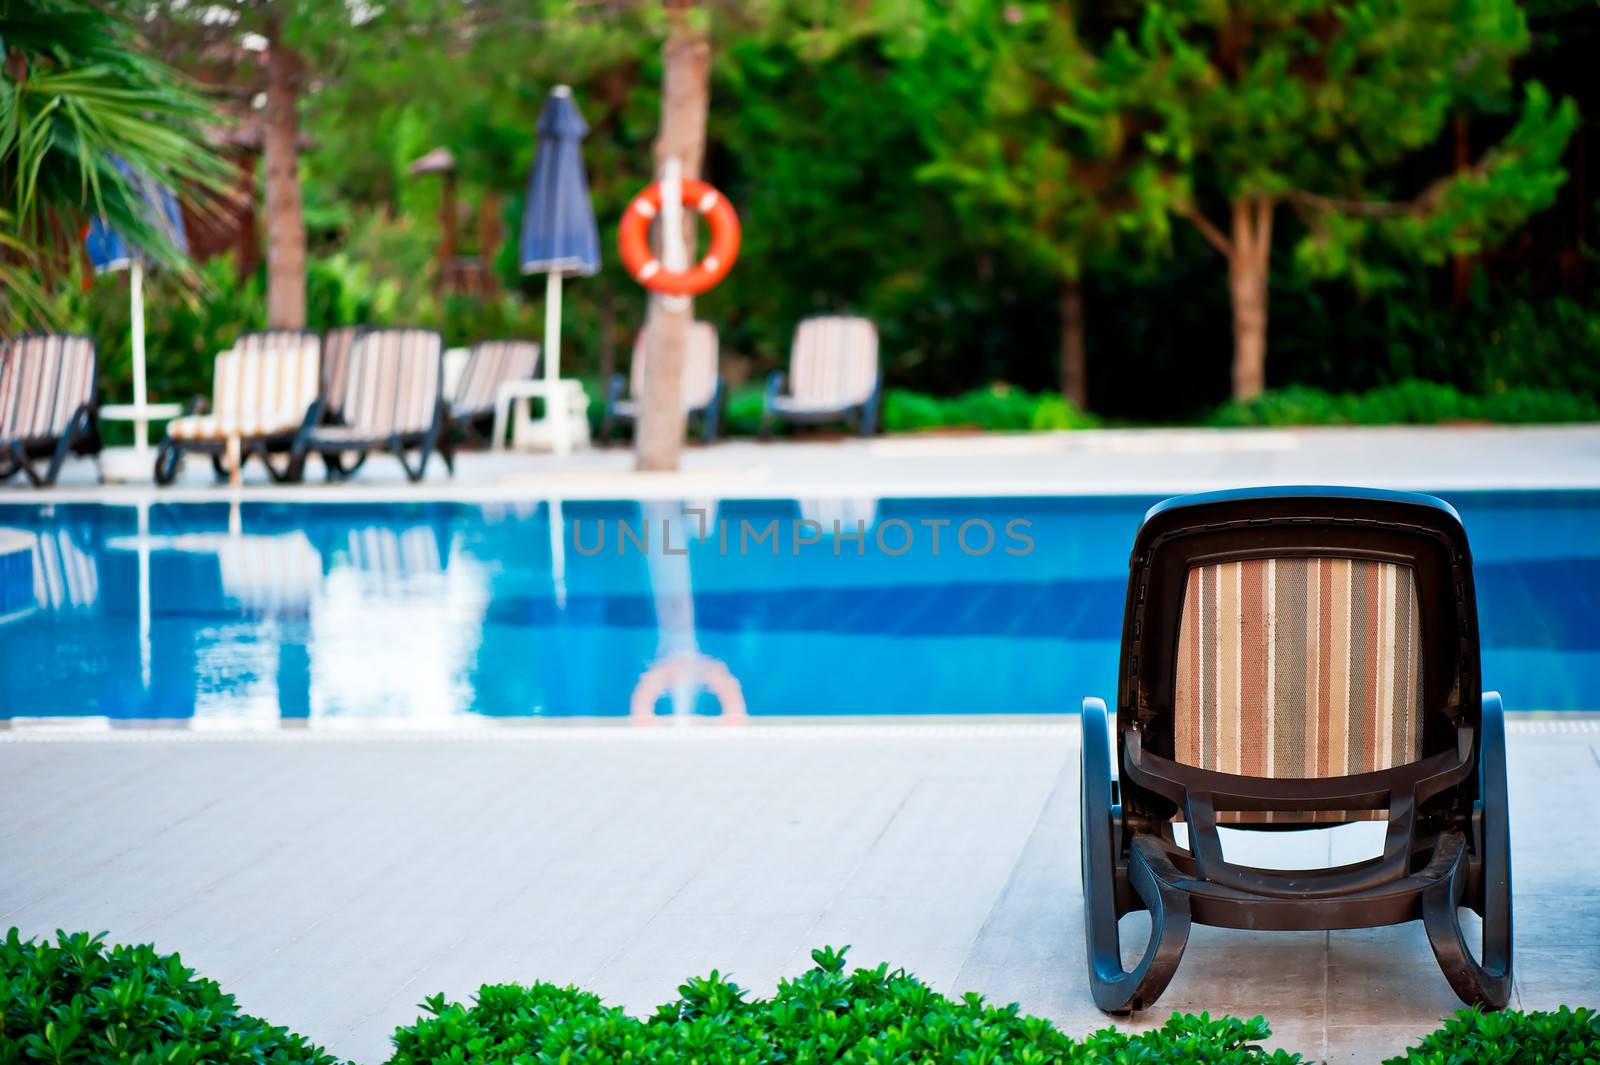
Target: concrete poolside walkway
column 1111, row 461
column 333, row 881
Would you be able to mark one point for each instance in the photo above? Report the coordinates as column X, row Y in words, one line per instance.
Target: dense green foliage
column 1315, row 104
column 78, row 104
column 827, row 1014
column 941, row 167
column 1565, row 1036
column 1409, row 402
column 77, row 1000
column 919, row 169
column 996, row 408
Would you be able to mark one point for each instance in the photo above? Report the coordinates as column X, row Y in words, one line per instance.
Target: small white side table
column 565, row 404
column 126, row 465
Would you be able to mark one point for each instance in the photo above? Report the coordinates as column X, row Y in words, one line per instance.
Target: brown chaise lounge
column 1297, row 657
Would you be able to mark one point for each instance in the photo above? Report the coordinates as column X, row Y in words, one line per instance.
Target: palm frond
column 85, row 122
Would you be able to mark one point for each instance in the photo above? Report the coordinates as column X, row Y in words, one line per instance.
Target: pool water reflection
column 442, row 612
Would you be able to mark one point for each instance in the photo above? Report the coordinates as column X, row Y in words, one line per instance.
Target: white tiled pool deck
column 1111, row 461
column 333, row 881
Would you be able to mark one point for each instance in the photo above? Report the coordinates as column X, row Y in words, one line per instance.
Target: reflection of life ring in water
column 696, row 669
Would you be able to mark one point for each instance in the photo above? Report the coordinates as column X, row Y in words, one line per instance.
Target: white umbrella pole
column 141, row 428
column 555, row 402
column 674, row 249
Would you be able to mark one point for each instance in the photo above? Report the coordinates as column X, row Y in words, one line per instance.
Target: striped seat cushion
column 700, row 368
column 1299, row 667
column 490, row 364
column 44, row 380
column 393, row 383
column 834, row 364
column 262, row 387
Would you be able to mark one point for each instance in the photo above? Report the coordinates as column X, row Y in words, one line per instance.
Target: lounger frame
column 81, row 435
column 170, row 452
column 1447, row 835
column 709, row 415
column 473, row 423
column 862, row 417
column 337, row 452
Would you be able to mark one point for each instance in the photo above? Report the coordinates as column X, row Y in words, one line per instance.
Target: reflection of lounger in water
column 390, row 559
column 46, row 570
column 16, row 574
column 64, row 575
column 849, row 515
column 269, row 576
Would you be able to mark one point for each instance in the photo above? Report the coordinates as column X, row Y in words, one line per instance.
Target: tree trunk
column 1247, row 287
column 685, row 101
column 489, row 237
column 286, row 229
column 1074, row 357
column 449, row 218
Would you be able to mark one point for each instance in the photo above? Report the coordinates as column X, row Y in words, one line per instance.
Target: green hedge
column 1406, row 403
column 997, row 408
column 827, row 1014
column 77, row 1000
column 1559, row 1037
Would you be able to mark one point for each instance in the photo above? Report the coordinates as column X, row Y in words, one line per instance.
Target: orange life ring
column 633, row 241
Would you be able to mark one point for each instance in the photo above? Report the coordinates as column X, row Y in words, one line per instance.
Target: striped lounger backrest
column 64, row 575
column 44, row 380
column 336, row 345
column 266, row 382
column 490, row 364
column 393, row 383
column 834, row 363
column 1299, row 667
column 700, row 365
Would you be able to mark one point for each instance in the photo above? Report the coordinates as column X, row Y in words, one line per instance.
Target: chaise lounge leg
column 412, row 474
column 168, row 455
column 77, row 427
column 1488, row 982
column 17, row 457
column 1117, row 990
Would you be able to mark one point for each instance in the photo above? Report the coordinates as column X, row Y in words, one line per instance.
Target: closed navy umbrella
column 559, row 234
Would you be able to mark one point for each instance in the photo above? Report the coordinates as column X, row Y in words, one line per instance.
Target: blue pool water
column 442, row 612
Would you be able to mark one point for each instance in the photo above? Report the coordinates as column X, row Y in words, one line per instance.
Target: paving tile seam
column 1532, row 723
column 1066, row 729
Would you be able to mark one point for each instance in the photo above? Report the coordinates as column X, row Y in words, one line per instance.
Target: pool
column 444, row 613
